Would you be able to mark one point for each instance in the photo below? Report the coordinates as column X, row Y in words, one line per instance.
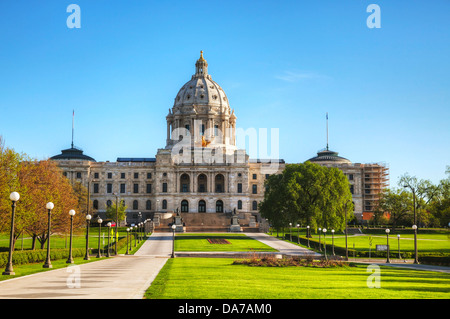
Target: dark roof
column 72, row 154
column 136, row 159
column 328, row 156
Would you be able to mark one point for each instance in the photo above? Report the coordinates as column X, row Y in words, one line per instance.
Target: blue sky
column 283, row 64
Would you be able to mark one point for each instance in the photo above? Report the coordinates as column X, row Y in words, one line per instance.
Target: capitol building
column 200, row 170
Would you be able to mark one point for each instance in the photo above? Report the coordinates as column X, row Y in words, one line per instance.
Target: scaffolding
column 375, row 178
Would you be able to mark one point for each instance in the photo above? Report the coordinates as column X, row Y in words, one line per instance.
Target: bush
column 435, row 260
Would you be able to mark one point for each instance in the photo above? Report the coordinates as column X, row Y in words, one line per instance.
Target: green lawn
column 215, row 278
column 436, row 242
column 199, row 242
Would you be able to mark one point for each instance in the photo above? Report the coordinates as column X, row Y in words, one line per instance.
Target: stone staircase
column 209, row 222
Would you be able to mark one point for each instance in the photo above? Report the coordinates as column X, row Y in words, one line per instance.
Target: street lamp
column 88, row 222
column 416, row 257
column 332, row 240
column 128, row 232
column 48, row 263
column 173, row 240
column 320, row 245
column 99, row 221
column 387, row 240
column 399, row 256
column 109, row 233
column 307, row 234
column 298, row 233
column 14, row 197
column 117, row 222
column 70, row 259
column 290, row 231
column 325, row 243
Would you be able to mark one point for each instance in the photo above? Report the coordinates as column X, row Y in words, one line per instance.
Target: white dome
column 200, row 91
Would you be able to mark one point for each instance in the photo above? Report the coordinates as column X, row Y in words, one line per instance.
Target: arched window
column 219, row 206
column 184, row 206
column 202, row 206
column 148, row 205
column 164, row 204
column 219, row 183
column 202, row 183
column 135, row 204
column 95, row 204
column 184, row 183
column 239, row 204
column 255, row 205
column 108, row 203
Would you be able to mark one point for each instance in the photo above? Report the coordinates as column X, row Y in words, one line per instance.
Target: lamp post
column 398, row 237
column 48, row 263
column 325, row 243
column 173, row 240
column 14, row 197
column 117, row 223
column 88, row 222
column 416, row 257
column 99, row 221
column 414, row 227
column 332, row 240
column 290, row 231
column 70, row 259
column 307, row 234
column 109, row 233
column 320, row 245
column 135, row 235
column 128, row 232
column 388, row 261
column 345, row 230
column 298, row 234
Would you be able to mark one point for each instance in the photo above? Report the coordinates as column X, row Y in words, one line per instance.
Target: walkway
column 120, row 277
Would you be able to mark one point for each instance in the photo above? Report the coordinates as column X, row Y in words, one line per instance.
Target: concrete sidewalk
column 119, row 277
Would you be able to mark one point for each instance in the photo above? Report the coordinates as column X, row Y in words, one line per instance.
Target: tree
column 308, row 193
column 440, row 205
column 398, row 203
column 121, row 211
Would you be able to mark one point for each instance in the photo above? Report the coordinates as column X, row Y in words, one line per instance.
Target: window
column 267, row 176
column 202, row 206
column 254, row 176
column 135, row 204
column 148, row 205
column 239, row 188
column 220, row 183
column 122, row 188
column 164, row 204
column 65, row 174
column 109, row 175
column 254, row 189
column 108, row 203
column 184, row 183
column 95, row 188
column 352, row 189
column 109, row 188
column 202, row 183
column 350, row 177
column 164, row 187
column 136, row 175
column 78, row 175
column 216, row 130
column 254, row 205
column 135, row 188
column 187, row 127
column 122, row 175
column 95, row 175
column 184, row 206
column 149, row 188
column 149, row 175
column 239, row 204
column 95, row 204
column 219, row 206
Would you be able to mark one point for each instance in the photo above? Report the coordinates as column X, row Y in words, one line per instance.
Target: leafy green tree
column 398, row 203
column 121, row 211
column 309, row 193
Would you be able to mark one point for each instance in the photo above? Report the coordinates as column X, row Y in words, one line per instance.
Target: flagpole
column 73, row 116
column 327, row 131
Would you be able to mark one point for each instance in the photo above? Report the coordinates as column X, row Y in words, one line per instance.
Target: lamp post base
column 69, row 261
column 47, row 265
